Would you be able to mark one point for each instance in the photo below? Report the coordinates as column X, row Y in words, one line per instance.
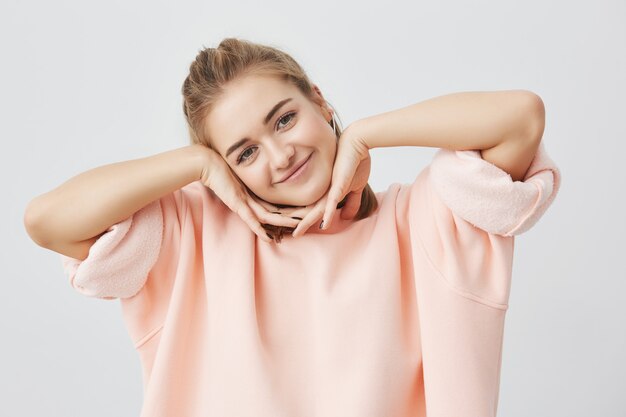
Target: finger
column 271, row 214
column 334, row 197
column 309, row 220
column 267, row 206
column 246, row 213
column 276, row 219
column 353, row 203
column 297, row 212
column 343, row 173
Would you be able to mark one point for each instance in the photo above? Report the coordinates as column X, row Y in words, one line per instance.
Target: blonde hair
column 213, row 68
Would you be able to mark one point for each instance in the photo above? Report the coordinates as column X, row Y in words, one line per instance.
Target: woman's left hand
column 351, row 171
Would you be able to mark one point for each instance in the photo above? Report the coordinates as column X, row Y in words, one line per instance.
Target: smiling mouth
column 295, row 170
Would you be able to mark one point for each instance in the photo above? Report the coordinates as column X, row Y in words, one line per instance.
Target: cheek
column 331, row 147
column 323, row 138
column 314, row 130
column 255, row 179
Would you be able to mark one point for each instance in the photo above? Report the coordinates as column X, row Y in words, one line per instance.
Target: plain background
column 84, row 84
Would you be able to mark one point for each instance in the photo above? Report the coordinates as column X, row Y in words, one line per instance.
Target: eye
column 288, row 116
column 242, row 157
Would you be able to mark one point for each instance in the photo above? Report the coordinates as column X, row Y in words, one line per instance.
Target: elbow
column 32, row 222
column 534, row 115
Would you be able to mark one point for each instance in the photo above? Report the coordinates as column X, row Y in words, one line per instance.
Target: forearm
column 89, row 203
column 458, row 121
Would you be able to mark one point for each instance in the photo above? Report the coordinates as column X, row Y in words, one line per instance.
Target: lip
column 297, row 170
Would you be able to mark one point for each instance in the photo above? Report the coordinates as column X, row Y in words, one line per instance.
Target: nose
column 281, row 154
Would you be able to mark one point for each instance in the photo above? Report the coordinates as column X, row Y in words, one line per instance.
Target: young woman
column 395, row 306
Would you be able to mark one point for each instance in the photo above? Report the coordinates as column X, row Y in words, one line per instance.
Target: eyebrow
column 269, row 116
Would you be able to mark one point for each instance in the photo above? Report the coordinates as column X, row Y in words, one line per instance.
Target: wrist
column 201, row 157
column 357, row 132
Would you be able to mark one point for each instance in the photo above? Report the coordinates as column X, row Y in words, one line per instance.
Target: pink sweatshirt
column 400, row 314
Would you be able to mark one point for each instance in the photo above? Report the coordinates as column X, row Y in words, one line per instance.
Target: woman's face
column 280, row 128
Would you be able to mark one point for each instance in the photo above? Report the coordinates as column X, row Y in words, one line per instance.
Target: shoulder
column 196, row 199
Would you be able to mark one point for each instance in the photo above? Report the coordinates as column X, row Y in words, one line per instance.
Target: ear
column 318, row 98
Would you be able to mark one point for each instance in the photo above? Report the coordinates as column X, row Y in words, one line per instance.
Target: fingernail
column 297, row 218
column 322, row 224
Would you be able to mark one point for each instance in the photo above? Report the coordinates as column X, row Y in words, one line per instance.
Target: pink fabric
column 127, row 251
column 487, row 197
column 399, row 314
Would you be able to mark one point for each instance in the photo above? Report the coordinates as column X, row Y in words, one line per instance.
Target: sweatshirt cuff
column 486, row 195
column 118, row 262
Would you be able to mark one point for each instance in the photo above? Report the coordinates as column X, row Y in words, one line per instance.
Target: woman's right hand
column 219, row 177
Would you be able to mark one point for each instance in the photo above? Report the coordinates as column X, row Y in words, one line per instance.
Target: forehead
column 242, row 108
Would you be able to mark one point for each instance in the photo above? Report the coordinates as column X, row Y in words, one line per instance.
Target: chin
column 304, row 195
